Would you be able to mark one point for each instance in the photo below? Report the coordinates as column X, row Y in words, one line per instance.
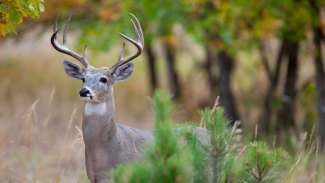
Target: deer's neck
column 98, row 121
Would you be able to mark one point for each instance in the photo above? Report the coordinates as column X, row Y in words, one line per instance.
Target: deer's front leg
column 89, row 168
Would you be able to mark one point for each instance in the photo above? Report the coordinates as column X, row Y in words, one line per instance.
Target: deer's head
column 98, row 82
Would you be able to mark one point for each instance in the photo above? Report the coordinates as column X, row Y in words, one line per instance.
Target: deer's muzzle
column 84, row 92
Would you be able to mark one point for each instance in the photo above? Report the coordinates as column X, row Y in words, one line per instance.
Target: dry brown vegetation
column 40, row 111
column 40, row 116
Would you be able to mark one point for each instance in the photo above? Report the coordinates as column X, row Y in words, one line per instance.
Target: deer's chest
column 104, row 157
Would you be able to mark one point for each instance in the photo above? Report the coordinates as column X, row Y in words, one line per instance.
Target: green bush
column 179, row 154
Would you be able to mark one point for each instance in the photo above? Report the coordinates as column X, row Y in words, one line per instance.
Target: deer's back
column 132, row 141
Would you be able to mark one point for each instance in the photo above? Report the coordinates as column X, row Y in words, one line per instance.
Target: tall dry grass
column 40, row 120
column 40, row 111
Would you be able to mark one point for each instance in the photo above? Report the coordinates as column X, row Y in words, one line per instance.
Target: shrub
column 180, row 154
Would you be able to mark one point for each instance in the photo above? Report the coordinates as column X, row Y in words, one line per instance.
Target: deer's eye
column 83, row 80
column 103, row 80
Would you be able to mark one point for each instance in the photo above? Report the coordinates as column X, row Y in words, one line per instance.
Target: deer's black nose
column 84, row 92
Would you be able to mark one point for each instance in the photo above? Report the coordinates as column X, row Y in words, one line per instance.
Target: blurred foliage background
column 265, row 59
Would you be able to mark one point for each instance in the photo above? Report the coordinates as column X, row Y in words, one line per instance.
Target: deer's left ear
column 123, row 72
column 73, row 70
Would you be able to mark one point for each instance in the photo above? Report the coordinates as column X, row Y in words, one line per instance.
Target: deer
column 107, row 142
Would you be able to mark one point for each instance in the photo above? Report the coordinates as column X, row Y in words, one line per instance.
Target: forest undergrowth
column 216, row 153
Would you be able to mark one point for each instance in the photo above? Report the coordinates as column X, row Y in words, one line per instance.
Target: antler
column 64, row 49
column 138, row 43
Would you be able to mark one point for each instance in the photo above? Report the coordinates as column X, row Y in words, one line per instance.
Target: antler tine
column 55, row 27
column 138, row 29
column 120, row 58
column 63, row 48
column 65, row 29
column 138, row 43
column 85, row 53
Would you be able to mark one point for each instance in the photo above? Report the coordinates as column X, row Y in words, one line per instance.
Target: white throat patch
column 91, row 108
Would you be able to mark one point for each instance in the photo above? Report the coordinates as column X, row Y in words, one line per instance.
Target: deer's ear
column 123, row 72
column 73, row 70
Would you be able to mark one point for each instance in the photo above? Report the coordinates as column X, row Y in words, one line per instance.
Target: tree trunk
column 210, row 70
column 266, row 116
column 319, row 76
column 173, row 79
column 320, row 84
column 227, row 99
column 152, row 71
column 286, row 115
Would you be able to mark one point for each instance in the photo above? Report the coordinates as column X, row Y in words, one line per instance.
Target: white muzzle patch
column 95, row 108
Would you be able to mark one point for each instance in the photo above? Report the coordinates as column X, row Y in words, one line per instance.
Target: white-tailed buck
column 107, row 143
